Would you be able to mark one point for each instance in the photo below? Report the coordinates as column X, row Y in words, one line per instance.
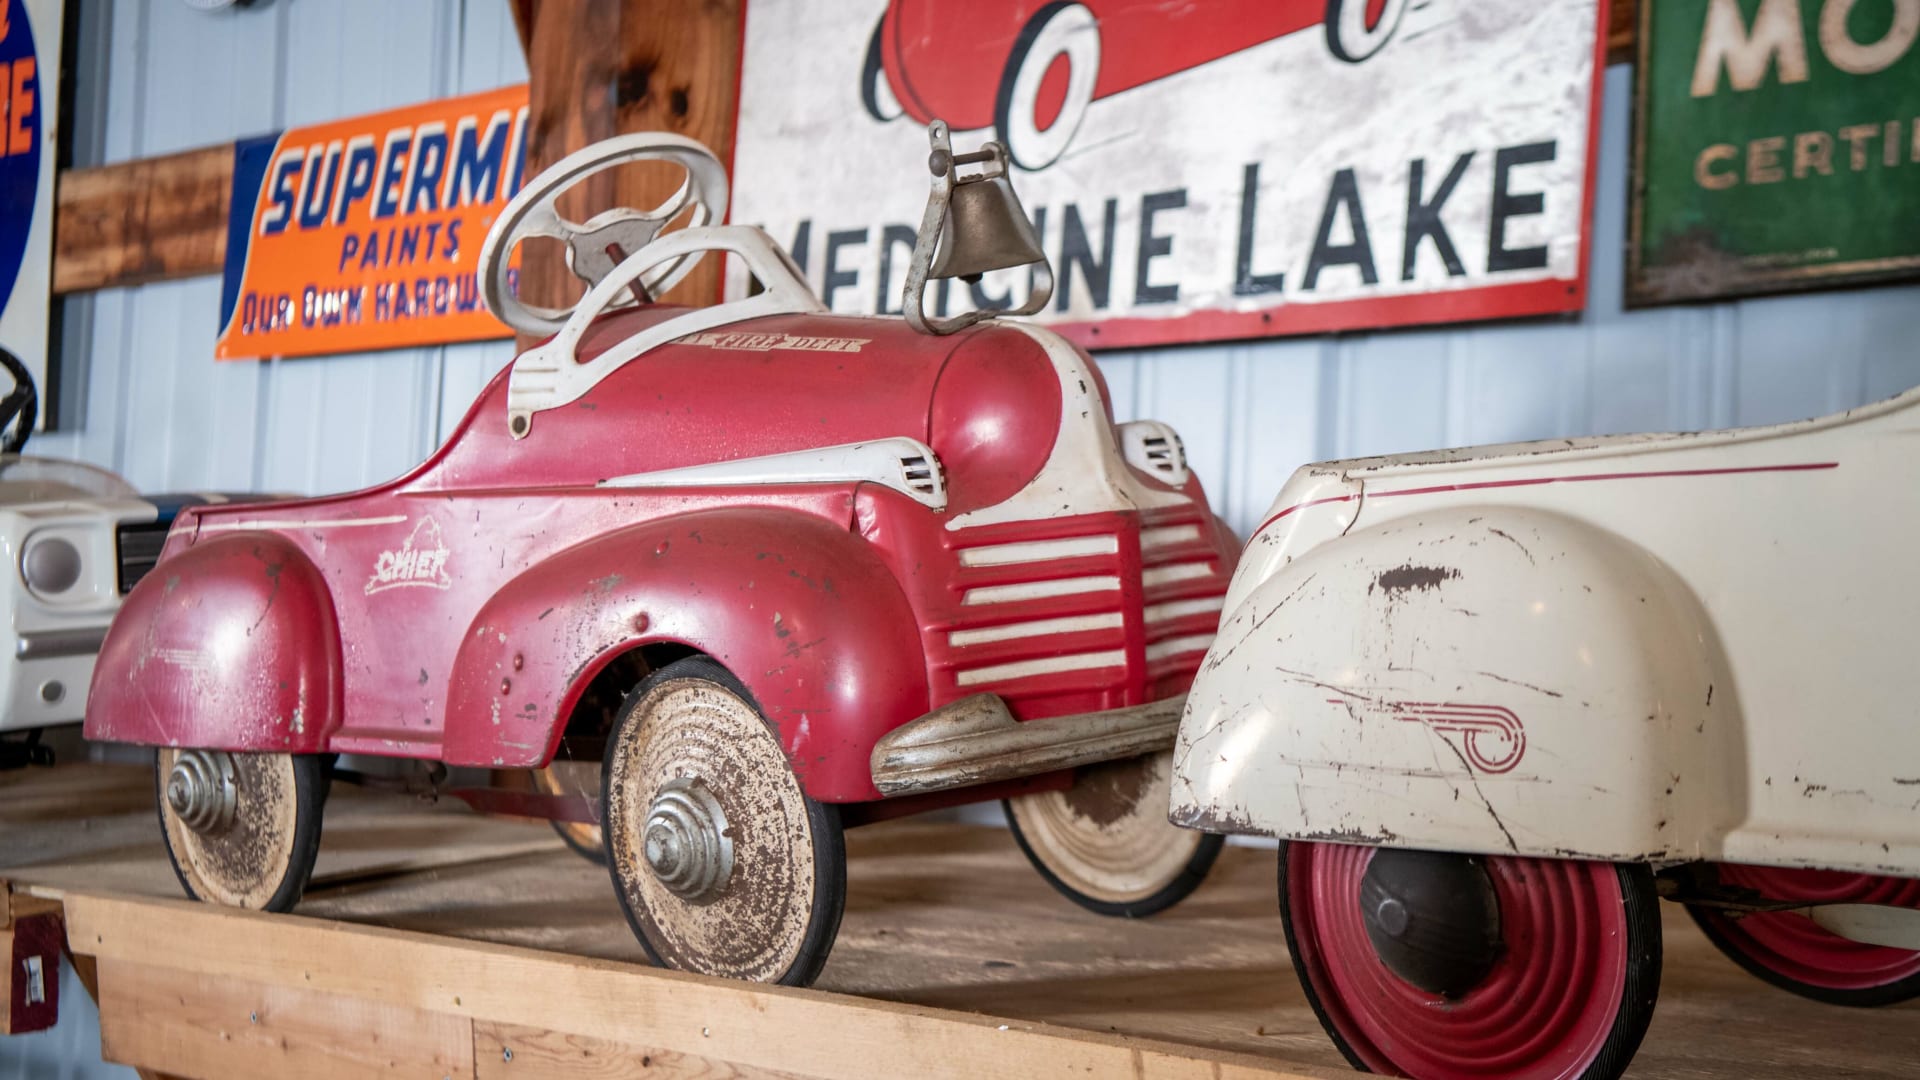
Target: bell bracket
column 939, row 231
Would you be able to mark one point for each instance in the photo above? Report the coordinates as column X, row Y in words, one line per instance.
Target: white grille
column 1165, row 575
column 921, row 474
column 1038, row 590
column 1046, row 665
column 1155, row 449
column 1068, row 624
column 1026, row 551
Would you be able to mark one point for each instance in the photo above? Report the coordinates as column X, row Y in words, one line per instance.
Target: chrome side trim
column 975, row 740
column 52, row 643
column 908, row 466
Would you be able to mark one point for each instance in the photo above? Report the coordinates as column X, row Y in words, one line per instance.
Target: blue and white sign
column 29, row 112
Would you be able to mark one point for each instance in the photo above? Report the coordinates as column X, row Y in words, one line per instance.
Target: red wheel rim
column 1052, row 96
column 1800, row 949
column 1546, row 1008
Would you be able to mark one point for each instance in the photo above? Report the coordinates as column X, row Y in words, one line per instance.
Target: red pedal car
column 776, row 571
column 1055, row 58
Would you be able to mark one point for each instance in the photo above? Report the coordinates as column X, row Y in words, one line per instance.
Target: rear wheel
column 1795, row 953
column 1105, row 843
column 575, row 778
column 242, row 830
column 1438, row 965
column 721, row 862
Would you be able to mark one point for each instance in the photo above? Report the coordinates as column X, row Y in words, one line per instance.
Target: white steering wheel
column 605, row 240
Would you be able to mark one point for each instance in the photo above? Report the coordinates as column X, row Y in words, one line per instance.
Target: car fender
column 1489, row 679
column 801, row 610
column 230, row 644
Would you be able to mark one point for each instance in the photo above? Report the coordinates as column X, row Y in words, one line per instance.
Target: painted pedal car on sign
column 1498, row 701
column 775, row 572
column 1056, row 58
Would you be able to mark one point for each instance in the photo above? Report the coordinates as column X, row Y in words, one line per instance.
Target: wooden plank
column 1623, row 31
column 769, row 1028
column 30, row 973
column 197, row 1025
column 145, row 220
column 512, row 1052
column 600, row 69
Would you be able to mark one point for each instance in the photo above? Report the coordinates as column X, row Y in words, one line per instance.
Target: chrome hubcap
column 686, row 842
column 202, row 790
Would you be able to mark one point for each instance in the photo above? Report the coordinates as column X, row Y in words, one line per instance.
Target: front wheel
column 1105, row 843
column 1796, row 954
column 1048, row 83
column 722, row 864
column 1439, row 965
column 242, row 830
column 1356, row 29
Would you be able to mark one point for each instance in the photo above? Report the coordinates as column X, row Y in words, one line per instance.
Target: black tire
column 593, row 853
column 747, row 819
column 1713, row 923
column 1105, row 843
column 872, row 75
column 1003, row 103
column 285, row 880
column 1640, row 919
column 1340, row 48
column 1175, row 891
column 20, row 408
column 1756, row 956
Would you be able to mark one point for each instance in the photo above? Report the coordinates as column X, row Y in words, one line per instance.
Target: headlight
column 50, row 566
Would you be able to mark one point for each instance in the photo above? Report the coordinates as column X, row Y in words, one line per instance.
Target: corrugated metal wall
column 155, row 407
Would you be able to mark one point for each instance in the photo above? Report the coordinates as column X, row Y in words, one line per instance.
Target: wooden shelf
column 436, row 942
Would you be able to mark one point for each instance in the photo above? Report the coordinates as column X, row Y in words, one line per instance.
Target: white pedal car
column 1499, row 700
column 77, row 538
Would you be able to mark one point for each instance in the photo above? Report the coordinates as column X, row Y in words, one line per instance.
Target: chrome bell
column 975, row 224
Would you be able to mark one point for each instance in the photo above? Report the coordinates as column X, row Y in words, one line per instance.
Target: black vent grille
column 139, row 547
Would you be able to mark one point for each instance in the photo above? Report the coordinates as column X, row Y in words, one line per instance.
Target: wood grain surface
column 946, row 926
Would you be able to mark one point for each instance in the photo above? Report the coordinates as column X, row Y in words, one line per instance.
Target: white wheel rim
column 573, row 778
column 756, row 927
column 1105, row 841
column 244, row 864
column 1071, row 32
column 1356, row 40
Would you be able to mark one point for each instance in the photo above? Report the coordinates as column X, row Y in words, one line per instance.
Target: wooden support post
column 601, row 68
column 1623, row 31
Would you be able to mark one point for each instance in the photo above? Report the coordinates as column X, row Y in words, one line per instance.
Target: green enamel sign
column 1776, row 146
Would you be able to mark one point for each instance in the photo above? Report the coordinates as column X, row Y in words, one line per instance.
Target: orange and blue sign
column 364, row 234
